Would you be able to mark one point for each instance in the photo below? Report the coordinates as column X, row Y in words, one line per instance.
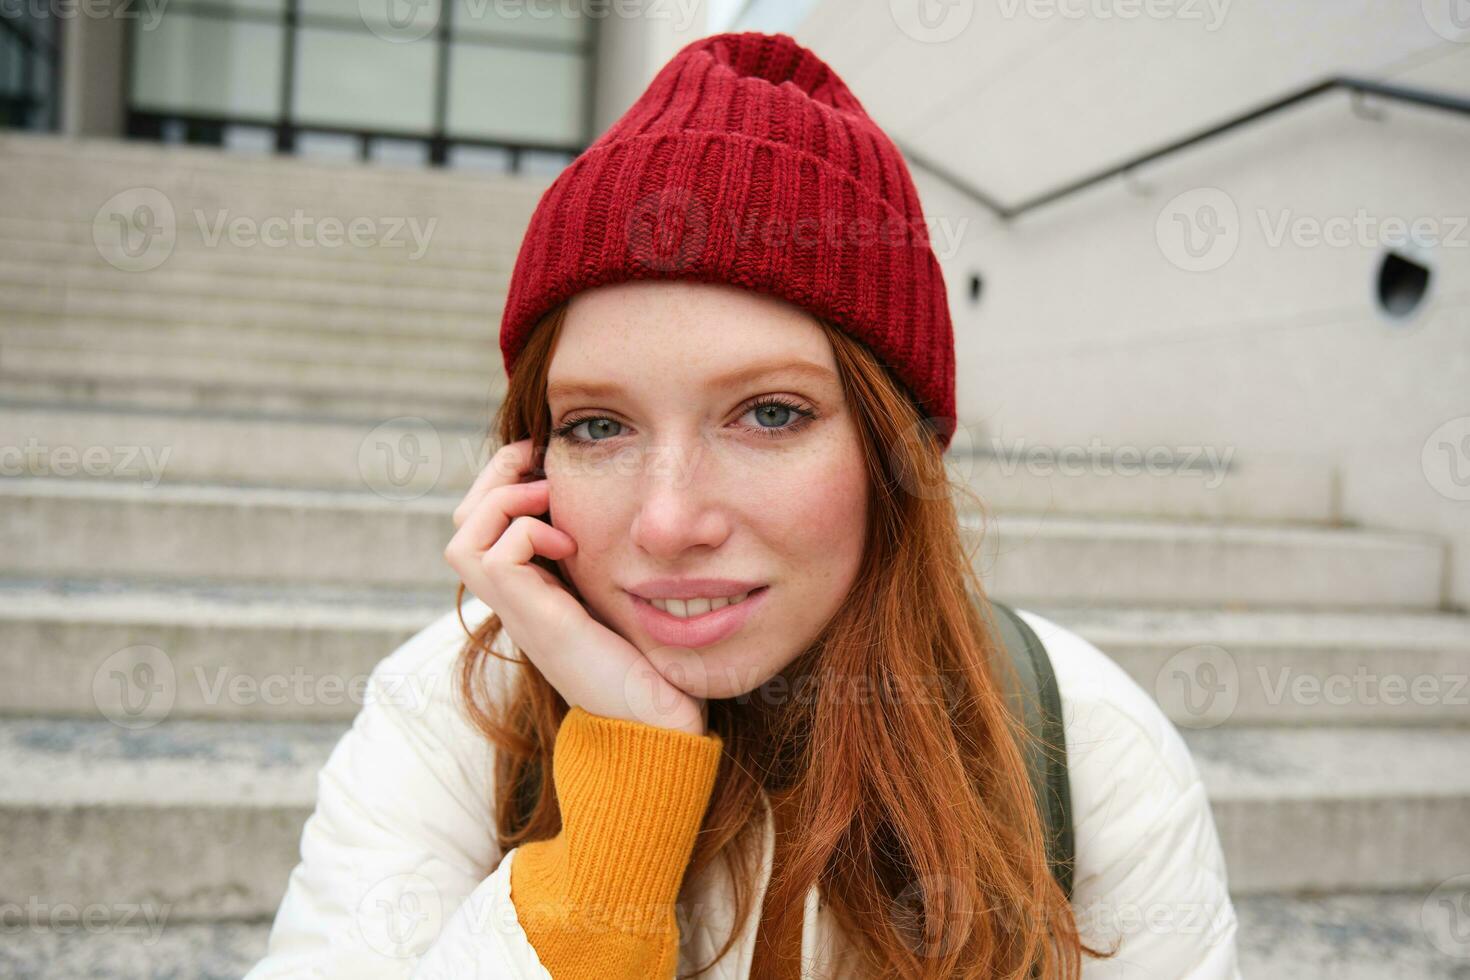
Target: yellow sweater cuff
column 632, row 799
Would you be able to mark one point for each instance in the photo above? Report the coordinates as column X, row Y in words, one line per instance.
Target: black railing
column 1357, row 86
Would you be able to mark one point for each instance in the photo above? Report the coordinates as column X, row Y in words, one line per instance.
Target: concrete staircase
column 198, row 455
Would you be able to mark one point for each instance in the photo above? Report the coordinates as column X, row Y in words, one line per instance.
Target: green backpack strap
column 1040, row 702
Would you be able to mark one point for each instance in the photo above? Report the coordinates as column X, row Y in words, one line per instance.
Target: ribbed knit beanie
column 747, row 161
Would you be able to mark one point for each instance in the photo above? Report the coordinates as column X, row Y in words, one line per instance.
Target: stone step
column 1211, row 667
column 70, row 244
column 160, row 814
column 73, row 192
column 210, row 174
column 53, row 227
column 70, row 648
column 234, row 651
column 1030, row 559
column 22, row 298
column 139, row 948
column 202, row 206
column 1188, row 483
column 58, row 281
column 256, row 402
column 432, row 240
column 203, row 341
column 1337, row 808
column 1360, row 936
column 39, row 360
column 397, row 454
column 68, row 527
column 278, row 178
column 20, row 307
column 93, row 154
column 256, row 535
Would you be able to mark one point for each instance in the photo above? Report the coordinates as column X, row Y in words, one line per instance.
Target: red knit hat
column 748, row 161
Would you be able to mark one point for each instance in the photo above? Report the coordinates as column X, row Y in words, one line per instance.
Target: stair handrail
column 1358, row 86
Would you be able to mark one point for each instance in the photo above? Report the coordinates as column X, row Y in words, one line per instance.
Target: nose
column 684, row 504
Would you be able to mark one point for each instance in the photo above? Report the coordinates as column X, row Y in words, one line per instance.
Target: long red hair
column 913, row 809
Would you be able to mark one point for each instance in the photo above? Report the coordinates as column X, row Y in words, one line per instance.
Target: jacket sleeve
column 401, row 830
column 596, row 902
column 1150, row 876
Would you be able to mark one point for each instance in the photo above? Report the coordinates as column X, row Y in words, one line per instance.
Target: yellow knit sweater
column 597, row 901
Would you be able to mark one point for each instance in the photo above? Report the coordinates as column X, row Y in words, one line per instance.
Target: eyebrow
column 751, row 372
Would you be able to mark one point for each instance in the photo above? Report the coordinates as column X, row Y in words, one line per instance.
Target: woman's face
column 702, row 434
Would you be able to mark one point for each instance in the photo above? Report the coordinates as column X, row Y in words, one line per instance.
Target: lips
column 697, row 631
column 686, row 607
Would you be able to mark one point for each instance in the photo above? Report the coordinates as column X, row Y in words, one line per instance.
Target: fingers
column 501, row 535
column 527, row 537
column 492, row 514
column 507, row 466
column 538, row 594
column 495, row 508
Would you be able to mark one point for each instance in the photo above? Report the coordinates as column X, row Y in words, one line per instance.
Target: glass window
column 526, row 96
column 556, row 23
column 265, row 8
column 399, row 153
column 328, row 146
column 395, row 20
column 545, row 162
column 208, row 65
column 12, row 60
column 28, row 59
column 467, row 156
column 357, row 79
column 517, row 74
column 249, row 139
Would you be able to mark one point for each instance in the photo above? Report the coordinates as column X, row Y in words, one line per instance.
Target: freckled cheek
column 575, row 512
column 810, row 508
column 580, row 511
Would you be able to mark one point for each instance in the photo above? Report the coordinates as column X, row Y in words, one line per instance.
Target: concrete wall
column 631, row 50
column 1096, row 324
column 92, row 69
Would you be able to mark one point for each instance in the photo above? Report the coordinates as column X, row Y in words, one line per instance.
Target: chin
column 708, row 674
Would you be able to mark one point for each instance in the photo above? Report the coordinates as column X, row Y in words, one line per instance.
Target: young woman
column 722, row 700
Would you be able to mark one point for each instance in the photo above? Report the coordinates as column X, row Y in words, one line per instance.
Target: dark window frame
column 33, row 108
column 148, row 123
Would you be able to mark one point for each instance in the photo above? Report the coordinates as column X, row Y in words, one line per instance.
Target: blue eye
column 786, row 409
column 590, row 421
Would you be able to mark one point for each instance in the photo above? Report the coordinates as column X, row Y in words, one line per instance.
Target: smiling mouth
column 695, row 608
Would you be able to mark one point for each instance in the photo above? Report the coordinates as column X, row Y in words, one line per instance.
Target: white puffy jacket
column 392, row 879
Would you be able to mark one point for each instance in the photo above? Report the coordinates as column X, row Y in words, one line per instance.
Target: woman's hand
column 589, row 665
